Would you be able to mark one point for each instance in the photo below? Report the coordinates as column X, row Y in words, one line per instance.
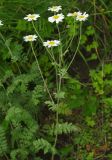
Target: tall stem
column 56, row 68
column 36, row 31
column 45, row 84
column 57, row 118
column 58, row 89
column 60, row 51
column 66, row 50
column 76, row 48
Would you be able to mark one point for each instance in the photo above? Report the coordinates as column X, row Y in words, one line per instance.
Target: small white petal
column 50, row 19
column 1, row 23
column 56, row 18
column 69, row 14
column 82, row 16
column 74, row 14
column 30, row 38
column 32, row 17
column 52, row 43
column 55, row 8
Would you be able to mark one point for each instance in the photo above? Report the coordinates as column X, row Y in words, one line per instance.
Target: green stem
column 45, row 84
column 84, row 59
column 50, row 53
column 76, row 48
column 58, row 90
column 60, row 47
column 41, row 40
column 66, row 50
column 101, row 13
column 57, row 120
column 56, row 68
column 6, row 156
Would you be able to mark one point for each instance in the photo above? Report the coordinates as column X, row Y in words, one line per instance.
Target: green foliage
column 20, row 83
column 90, row 156
column 42, row 144
column 23, row 130
column 75, row 94
column 63, row 128
column 91, row 105
column 90, row 122
column 37, row 94
column 61, row 109
column 34, row 126
column 3, row 142
column 60, row 95
column 19, row 153
column 97, row 81
column 92, row 46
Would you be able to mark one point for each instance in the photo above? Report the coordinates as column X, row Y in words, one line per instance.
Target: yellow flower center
column 56, row 17
column 81, row 16
column 74, row 14
column 30, row 38
column 31, row 16
column 54, row 8
column 51, row 43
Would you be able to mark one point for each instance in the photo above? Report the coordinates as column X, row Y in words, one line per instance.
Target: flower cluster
column 78, row 15
column 55, row 18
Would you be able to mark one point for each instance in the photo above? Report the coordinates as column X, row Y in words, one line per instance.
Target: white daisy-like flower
column 55, row 8
column 56, row 18
column 1, row 23
column 52, row 43
column 30, row 38
column 74, row 14
column 82, row 16
column 32, row 17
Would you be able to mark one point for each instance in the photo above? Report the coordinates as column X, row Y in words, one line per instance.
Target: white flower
column 56, row 18
column 30, row 38
column 74, row 14
column 32, row 17
column 82, row 16
column 1, row 23
column 52, row 43
column 55, row 8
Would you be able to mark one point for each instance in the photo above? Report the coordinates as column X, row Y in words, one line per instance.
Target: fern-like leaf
column 19, row 153
column 3, row 142
column 61, row 109
column 44, row 145
column 63, row 128
column 37, row 94
column 24, row 126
